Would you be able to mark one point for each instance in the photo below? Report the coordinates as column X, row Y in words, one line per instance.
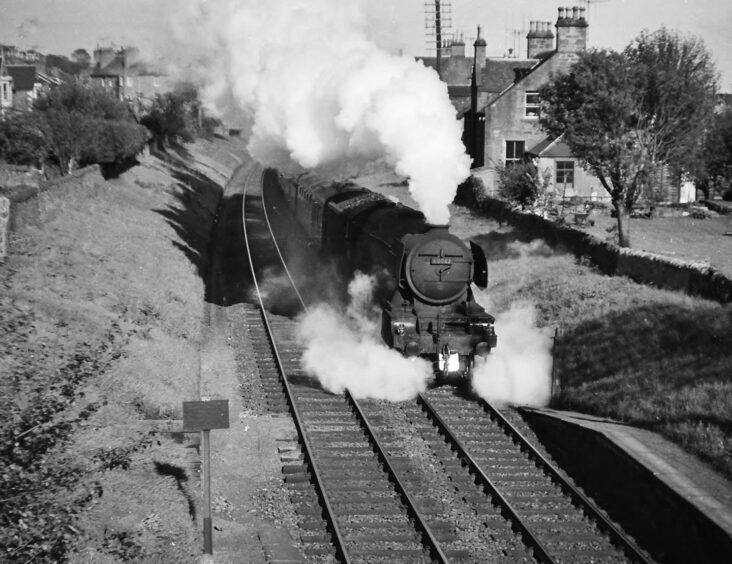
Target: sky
column 60, row 26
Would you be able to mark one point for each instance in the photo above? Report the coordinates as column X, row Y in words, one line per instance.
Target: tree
column 86, row 125
column 625, row 114
column 81, row 57
column 519, row 182
column 22, row 139
column 714, row 172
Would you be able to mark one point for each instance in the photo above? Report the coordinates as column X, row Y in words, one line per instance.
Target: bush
column 519, row 183
column 727, row 196
column 86, row 126
column 167, row 119
column 22, row 140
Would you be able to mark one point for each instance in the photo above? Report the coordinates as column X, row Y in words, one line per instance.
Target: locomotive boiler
column 423, row 272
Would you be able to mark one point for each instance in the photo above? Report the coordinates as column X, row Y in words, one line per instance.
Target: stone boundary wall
column 19, row 191
column 643, row 267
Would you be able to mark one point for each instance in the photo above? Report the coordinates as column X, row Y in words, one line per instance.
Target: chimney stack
column 479, row 60
column 571, row 30
column 540, row 39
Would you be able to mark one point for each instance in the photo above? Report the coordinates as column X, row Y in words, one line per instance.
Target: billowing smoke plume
column 345, row 351
column 518, row 370
column 317, row 92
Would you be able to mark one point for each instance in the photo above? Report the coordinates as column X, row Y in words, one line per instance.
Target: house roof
column 498, row 74
column 24, row 76
column 551, row 148
column 118, row 68
column 115, row 68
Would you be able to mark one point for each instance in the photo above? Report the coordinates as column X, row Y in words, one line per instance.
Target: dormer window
column 532, row 105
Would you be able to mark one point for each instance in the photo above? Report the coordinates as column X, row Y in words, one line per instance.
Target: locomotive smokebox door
column 480, row 265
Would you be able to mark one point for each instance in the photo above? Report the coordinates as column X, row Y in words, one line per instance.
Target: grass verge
column 100, row 322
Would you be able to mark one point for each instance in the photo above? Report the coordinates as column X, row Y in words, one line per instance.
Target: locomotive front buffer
column 450, row 339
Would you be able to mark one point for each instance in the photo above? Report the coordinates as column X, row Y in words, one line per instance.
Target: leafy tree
column 519, row 182
column 22, row 139
column 715, row 167
column 171, row 116
column 625, row 114
column 82, row 58
column 86, row 125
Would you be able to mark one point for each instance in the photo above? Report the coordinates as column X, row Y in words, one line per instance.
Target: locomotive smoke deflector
column 480, row 265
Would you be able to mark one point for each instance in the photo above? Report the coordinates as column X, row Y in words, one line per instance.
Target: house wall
column 6, row 93
column 505, row 118
column 585, row 186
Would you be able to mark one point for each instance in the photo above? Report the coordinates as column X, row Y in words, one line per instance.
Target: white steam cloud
column 317, row 92
column 345, row 351
column 518, row 370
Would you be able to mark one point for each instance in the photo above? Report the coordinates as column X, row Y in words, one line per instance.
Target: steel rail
column 540, row 552
column 617, row 536
column 434, row 546
column 337, row 536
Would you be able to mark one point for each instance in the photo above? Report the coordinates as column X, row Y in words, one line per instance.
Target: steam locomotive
column 423, row 273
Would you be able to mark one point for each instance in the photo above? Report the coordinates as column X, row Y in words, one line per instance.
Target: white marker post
column 202, row 416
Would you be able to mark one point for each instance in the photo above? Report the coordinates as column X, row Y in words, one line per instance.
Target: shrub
column 519, row 183
column 22, row 139
column 87, row 125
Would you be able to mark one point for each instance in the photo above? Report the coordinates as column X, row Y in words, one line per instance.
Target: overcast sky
column 60, row 26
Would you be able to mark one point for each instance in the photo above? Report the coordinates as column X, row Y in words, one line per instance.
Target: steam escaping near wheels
column 519, row 371
column 314, row 91
column 344, row 350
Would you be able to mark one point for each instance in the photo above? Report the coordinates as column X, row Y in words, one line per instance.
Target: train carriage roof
column 323, row 190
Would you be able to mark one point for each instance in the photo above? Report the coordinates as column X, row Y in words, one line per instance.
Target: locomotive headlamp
column 412, row 349
column 400, row 327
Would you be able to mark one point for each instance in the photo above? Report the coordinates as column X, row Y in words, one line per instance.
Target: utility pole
column 437, row 23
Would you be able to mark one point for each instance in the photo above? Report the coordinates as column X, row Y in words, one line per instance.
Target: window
column 514, row 152
column 532, row 104
column 565, row 173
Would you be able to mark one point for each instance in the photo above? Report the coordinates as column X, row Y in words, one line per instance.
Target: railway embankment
column 103, row 322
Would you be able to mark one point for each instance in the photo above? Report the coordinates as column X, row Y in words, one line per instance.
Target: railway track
column 441, row 479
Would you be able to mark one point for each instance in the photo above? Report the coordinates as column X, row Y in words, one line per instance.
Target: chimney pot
column 575, row 12
column 582, row 13
column 561, row 13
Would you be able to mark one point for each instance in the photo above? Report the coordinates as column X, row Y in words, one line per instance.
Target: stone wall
column 19, row 190
column 646, row 268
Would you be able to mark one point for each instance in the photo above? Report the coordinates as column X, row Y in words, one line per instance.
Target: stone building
column 124, row 75
column 504, row 127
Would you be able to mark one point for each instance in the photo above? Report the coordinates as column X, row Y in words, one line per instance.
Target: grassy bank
column 100, row 317
column 648, row 357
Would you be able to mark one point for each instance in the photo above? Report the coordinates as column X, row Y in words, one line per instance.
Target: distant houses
column 126, row 76
column 24, row 75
